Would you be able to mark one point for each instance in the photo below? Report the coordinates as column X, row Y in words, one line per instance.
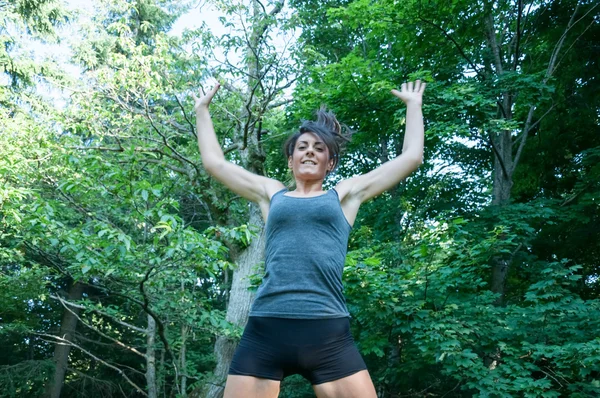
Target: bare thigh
column 250, row 387
column 358, row 385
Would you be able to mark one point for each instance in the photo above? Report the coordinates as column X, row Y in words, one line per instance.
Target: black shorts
column 320, row 350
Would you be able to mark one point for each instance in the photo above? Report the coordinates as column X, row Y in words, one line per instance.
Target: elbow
column 212, row 166
column 416, row 160
column 413, row 156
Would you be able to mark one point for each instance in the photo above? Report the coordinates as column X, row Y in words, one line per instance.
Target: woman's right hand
column 411, row 92
column 205, row 99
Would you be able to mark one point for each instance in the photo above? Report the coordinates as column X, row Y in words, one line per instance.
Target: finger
column 422, row 88
column 213, row 91
column 417, row 85
column 403, row 87
column 411, row 86
column 396, row 93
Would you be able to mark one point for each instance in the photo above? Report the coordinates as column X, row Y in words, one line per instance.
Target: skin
column 309, row 182
column 309, row 148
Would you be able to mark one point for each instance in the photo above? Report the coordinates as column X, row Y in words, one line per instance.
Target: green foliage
column 296, row 387
column 428, row 312
column 38, row 20
column 108, row 191
column 423, row 312
column 25, row 379
column 40, row 17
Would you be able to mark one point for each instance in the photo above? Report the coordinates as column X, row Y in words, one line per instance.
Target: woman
column 299, row 321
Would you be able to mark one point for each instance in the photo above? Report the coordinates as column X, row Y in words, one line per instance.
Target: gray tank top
column 306, row 243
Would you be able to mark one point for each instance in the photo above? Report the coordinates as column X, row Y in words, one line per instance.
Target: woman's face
column 310, row 158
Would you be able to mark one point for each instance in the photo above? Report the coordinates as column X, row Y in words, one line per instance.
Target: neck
column 308, row 187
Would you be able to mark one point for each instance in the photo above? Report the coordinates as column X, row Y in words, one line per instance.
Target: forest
column 127, row 271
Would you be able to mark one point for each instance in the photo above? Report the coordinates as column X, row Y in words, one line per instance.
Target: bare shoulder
column 268, row 188
column 343, row 189
column 349, row 190
column 272, row 186
column 349, row 200
column 254, row 187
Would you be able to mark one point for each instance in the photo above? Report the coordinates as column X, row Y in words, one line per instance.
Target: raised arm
column 251, row 186
column 355, row 191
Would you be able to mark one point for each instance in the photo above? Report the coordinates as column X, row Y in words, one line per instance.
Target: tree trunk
column 151, row 358
column 241, row 298
column 161, row 367
column 252, row 159
column 61, row 351
column 502, row 178
column 183, row 361
column 503, row 167
column 500, row 265
column 503, row 160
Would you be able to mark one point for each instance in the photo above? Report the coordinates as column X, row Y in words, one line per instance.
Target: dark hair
column 327, row 128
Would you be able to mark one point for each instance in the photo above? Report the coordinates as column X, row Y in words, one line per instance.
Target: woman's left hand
column 411, row 93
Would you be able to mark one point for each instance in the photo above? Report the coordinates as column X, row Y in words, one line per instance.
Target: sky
column 201, row 12
column 194, row 18
column 84, row 10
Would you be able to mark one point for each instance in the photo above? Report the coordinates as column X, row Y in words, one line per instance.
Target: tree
column 71, row 222
column 355, row 50
column 104, row 196
column 265, row 74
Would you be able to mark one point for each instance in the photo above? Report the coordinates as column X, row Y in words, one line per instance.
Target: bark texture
column 241, row 299
column 252, row 159
column 151, row 358
column 183, row 360
column 508, row 148
column 61, row 351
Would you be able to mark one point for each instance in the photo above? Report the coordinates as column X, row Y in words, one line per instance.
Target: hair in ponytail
column 327, row 128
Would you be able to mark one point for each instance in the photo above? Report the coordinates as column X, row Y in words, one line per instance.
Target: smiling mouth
column 309, row 162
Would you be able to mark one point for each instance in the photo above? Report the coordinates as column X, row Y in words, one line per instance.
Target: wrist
column 201, row 109
column 414, row 104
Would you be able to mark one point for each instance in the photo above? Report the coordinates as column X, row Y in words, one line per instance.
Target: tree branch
column 576, row 195
column 159, row 323
column 491, row 31
column 115, row 319
column 526, row 130
column 231, row 148
column 574, row 41
column 498, row 156
column 179, row 156
column 168, row 166
column 528, row 127
column 62, row 341
column 117, row 342
column 557, row 47
column 279, row 103
column 192, row 130
column 518, row 34
column 458, row 47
